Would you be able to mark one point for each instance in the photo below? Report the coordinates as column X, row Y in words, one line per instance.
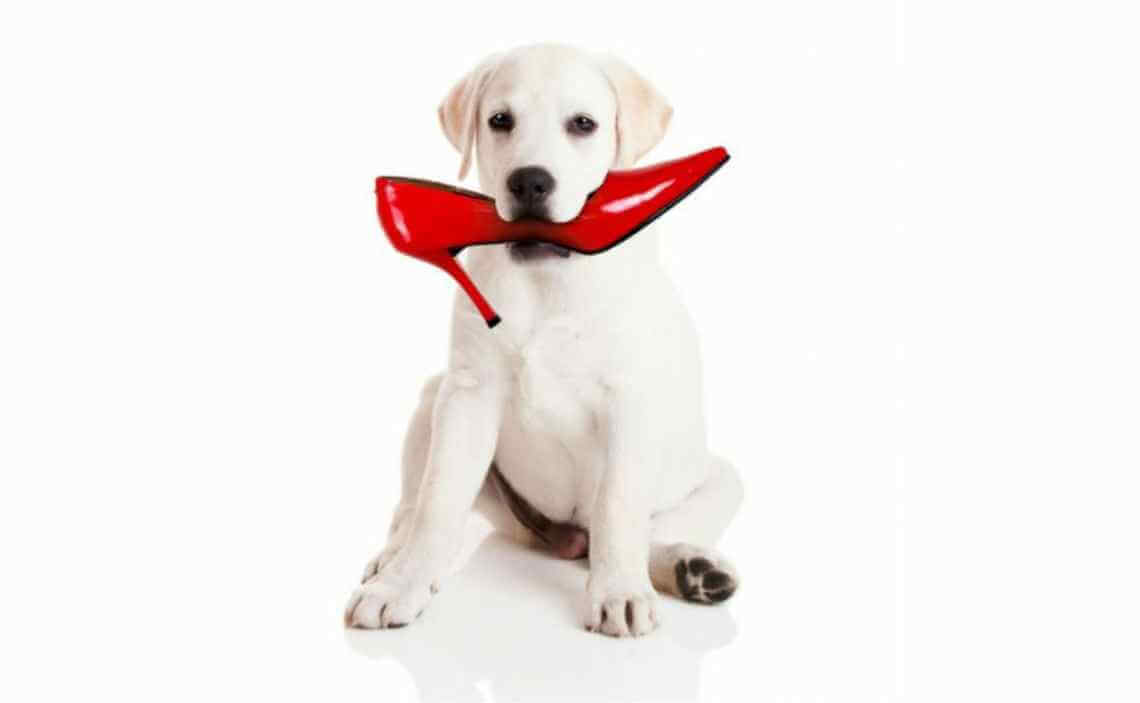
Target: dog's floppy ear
column 459, row 111
column 642, row 113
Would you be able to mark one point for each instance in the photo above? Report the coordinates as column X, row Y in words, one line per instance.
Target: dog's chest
column 559, row 388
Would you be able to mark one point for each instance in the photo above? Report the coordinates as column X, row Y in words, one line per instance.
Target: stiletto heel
column 446, row 261
column 434, row 222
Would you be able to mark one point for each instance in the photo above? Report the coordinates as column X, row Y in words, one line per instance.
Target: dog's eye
column 581, row 124
column 501, row 122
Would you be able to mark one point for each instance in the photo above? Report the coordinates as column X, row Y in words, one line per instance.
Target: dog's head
column 547, row 123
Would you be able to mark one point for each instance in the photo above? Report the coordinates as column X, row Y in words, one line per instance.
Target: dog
column 576, row 424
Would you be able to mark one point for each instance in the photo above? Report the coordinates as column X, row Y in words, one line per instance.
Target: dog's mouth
column 527, row 250
column 536, row 251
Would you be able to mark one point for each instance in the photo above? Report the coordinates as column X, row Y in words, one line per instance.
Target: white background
column 915, row 285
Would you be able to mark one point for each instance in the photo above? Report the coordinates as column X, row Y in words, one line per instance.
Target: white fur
column 588, row 395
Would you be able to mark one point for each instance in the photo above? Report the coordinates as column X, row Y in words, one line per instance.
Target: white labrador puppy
column 577, row 422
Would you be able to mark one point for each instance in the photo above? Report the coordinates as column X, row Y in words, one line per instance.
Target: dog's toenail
column 629, row 613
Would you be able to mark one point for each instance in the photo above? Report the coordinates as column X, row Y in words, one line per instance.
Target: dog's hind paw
column 694, row 574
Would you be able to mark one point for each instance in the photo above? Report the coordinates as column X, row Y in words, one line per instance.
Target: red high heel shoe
column 434, row 222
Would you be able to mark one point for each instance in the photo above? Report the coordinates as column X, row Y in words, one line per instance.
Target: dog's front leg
column 620, row 599
column 464, row 428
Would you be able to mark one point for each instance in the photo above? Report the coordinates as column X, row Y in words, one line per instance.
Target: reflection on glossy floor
column 508, row 626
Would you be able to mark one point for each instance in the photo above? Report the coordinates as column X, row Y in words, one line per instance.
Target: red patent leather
column 434, row 222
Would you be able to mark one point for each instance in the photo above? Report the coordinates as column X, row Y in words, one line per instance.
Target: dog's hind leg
column 682, row 561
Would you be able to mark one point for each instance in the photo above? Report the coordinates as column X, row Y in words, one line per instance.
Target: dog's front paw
column 397, row 585
column 621, row 609
column 376, row 564
column 381, row 605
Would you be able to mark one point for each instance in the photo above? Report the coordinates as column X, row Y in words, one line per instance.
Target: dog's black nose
column 530, row 185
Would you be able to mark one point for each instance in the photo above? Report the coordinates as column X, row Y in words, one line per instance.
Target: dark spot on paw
column 699, row 565
column 699, row 581
column 681, row 574
column 685, row 585
column 715, row 580
column 396, row 625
